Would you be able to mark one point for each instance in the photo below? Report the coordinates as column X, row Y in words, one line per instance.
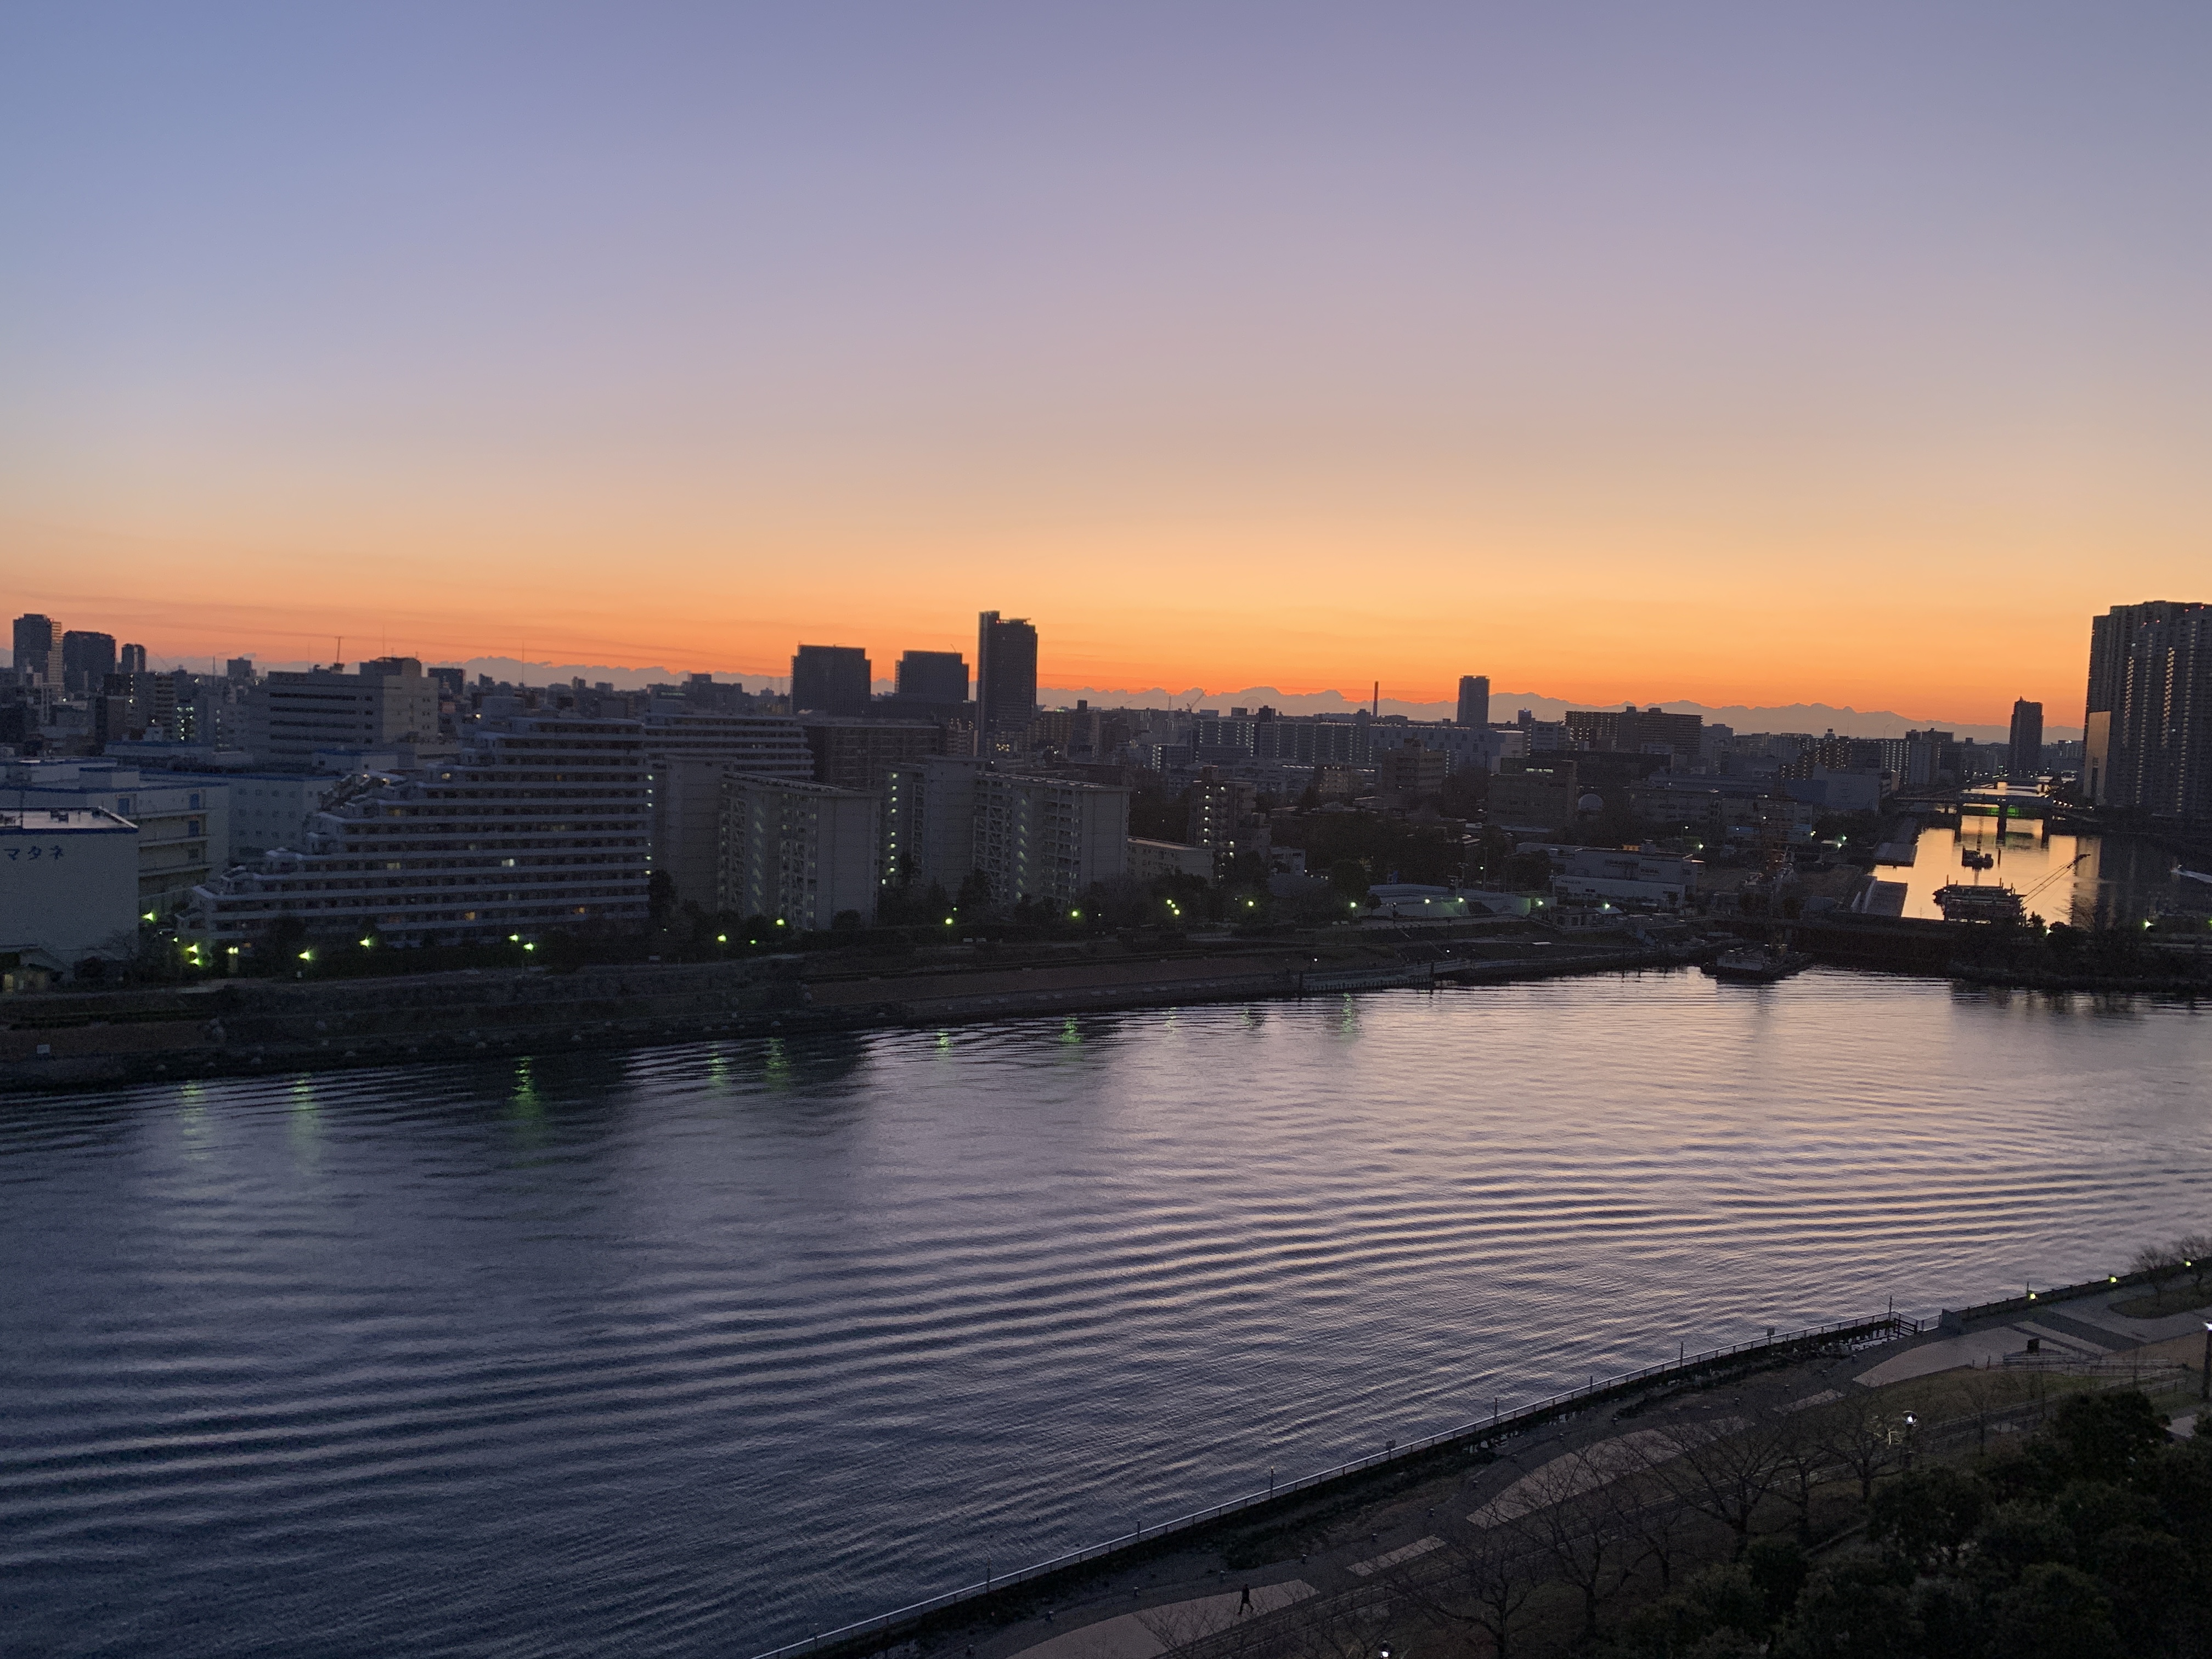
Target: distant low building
column 1407, row 901
column 288, row 716
column 1408, row 773
column 1149, row 860
column 1603, row 873
column 1537, row 792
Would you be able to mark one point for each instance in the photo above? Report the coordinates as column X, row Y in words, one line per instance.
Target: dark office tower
column 830, row 679
column 1474, row 699
column 133, row 659
column 934, row 676
column 2026, row 760
column 2148, row 741
column 239, row 671
column 34, row 643
column 88, row 660
column 1006, row 673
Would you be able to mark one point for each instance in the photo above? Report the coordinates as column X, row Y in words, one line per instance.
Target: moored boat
column 1758, row 964
column 1961, row 901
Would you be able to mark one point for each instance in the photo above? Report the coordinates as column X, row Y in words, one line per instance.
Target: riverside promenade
column 1331, row 1543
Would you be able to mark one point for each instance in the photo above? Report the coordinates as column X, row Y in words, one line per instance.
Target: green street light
column 306, row 955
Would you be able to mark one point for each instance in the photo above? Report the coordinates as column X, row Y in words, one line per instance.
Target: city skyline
column 1737, row 360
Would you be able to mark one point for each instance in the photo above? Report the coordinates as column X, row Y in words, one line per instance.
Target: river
column 697, row 1349
column 2083, row 880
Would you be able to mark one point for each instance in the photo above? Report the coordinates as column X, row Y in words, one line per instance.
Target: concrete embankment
column 79, row 1040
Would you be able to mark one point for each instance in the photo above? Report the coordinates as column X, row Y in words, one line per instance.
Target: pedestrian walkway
column 1419, row 1547
column 1151, row 1631
column 1572, row 1473
column 2084, row 1327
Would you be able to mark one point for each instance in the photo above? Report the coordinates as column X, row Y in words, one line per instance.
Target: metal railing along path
column 1887, row 1327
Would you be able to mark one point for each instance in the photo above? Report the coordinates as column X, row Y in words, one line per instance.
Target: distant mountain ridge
column 1813, row 717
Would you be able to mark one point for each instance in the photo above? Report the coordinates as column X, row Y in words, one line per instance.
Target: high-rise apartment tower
column 934, row 676
column 36, row 645
column 1474, row 699
column 1006, row 673
column 831, row 679
column 2024, row 759
column 2148, row 738
column 88, row 658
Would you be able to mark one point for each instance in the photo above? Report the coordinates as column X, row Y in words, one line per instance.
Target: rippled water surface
column 701, row 1349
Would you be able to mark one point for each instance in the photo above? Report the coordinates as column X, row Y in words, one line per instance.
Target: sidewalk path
column 1151, row 1633
column 2084, row 1327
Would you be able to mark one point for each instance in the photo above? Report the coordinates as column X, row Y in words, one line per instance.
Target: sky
column 1730, row 353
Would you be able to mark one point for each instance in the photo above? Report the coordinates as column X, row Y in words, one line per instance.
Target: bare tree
column 1801, row 1457
column 1652, row 1521
column 1726, row 1470
column 1982, row 1395
column 1339, row 1626
column 2195, row 1250
column 1564, row 1512
column 2157, row 1263
column 1483, row 1583
column 1865, row 1434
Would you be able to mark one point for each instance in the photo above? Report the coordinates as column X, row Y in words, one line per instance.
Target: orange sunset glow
column 1748, row 382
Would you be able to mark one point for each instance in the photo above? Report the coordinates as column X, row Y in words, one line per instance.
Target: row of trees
column 2093, row 1539
column 2162, row 1264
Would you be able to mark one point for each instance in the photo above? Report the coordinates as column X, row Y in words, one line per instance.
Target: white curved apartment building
column 542, row 822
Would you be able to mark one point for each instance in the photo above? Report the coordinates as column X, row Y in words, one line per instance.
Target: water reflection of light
column 2086, row 880
column 524, row 1100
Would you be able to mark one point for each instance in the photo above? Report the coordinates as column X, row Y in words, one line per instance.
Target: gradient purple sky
column 1740, row 353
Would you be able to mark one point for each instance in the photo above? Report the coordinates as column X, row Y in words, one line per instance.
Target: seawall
column 243, row 1028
